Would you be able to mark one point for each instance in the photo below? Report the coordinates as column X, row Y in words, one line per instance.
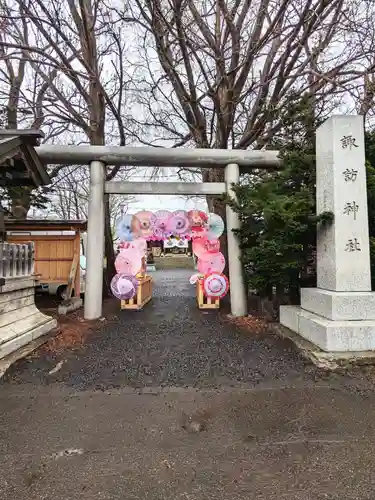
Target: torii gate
column 97, row 157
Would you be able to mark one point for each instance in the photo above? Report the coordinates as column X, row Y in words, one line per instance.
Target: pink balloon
column 211, row 263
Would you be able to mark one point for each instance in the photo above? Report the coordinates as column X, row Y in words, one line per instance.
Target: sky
column 163, row 202
column 166, row 202
column 152, row 203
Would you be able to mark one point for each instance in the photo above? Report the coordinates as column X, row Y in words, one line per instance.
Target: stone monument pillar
column 339, row 315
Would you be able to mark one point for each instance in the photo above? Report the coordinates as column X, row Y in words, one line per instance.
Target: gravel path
column 170, row 343
column 253, row 422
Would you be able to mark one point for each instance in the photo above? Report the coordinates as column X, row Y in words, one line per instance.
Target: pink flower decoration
column 160, row 223
column 179, row 223
column 128, row 261
column 202, row 245
column 211, row 263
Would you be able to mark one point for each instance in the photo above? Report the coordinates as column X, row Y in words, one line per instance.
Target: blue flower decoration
column 124, row 228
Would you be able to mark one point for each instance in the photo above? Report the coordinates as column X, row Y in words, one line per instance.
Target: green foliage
column 277, row 209
column 278, row 230
column 28, row 197
column 279, row 225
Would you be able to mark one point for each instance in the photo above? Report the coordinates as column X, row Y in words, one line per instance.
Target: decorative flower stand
column 144, row 295
column 203, row 301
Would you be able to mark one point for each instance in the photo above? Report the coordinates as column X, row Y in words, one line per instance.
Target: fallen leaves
column 73, row 332
column 70, row 335
column 252, row 324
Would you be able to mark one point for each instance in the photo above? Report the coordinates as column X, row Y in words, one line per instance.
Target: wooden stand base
column 144, row 295
column 203, row 301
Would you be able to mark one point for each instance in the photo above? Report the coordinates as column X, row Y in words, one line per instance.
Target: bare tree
column 22, row 95
column 223, row 73
column 78, row 51
column 361, row 20
column 226, row 70
column 70, row 196
column 21, row 91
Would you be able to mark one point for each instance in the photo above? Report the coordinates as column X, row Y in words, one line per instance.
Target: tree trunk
column 280, row 294
column 217, row 206
column 20, row 200
column 109, row 251
column 98, row 139
column 20, row 197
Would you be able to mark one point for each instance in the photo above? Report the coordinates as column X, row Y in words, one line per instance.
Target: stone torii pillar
column 238, row 297
column 339, row 315
column 95, row 243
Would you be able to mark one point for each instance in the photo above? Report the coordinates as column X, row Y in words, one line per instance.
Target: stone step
column 174, row 263
column 19, row 326
column 10, row 317
column 20, row 320
column 44, row 325
column 331, row 336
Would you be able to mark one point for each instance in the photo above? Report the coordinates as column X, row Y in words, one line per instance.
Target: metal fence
column 16, row 259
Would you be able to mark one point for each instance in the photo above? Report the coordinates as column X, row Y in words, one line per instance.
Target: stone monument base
column 339, row 315
column 20, row 320
column 339, row 306
column 334, row 321
column 330, row 336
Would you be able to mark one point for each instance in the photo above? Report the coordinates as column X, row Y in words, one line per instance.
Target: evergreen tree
column 277, row 212
column 278, row 230
column 279, row 225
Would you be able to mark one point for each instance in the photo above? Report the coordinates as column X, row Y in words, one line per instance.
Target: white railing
column 16, row 260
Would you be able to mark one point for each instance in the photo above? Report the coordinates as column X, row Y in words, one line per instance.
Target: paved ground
column 172, row 403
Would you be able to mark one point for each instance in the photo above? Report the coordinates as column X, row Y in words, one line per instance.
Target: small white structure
column 339, row 315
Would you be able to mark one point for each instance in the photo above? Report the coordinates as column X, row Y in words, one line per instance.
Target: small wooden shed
column 57, row 247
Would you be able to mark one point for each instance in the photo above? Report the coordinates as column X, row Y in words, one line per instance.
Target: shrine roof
column 19, row 163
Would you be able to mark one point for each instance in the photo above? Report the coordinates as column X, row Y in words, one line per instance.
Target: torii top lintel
column 149, row 156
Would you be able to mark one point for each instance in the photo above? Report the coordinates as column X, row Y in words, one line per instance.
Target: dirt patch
column 250, row 324
column 73, row 328
column 72, row 333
